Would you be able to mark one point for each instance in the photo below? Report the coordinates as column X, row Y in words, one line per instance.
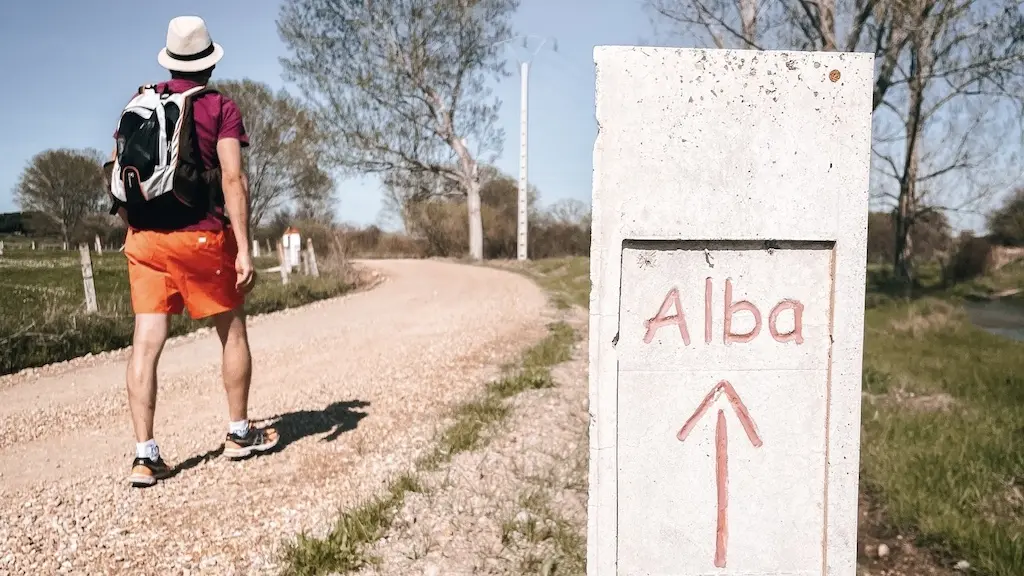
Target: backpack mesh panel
column 139, row 143
column 171, row 114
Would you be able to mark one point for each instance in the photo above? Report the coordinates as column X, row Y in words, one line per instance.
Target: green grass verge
column 42, row 305
column 344, row 549
column 947, row 463
column 566, row 280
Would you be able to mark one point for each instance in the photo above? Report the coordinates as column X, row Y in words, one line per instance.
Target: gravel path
column 358, row 386
column 516, row 506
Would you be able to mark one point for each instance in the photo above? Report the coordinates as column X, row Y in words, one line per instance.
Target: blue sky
column 71, row 64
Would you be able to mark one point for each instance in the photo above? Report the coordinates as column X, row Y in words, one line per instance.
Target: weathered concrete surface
column 730, row 220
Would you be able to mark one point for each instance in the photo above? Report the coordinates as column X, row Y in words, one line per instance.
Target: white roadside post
column 282, row 258
column 314, row 270
column 726, row 318
column 88, row 283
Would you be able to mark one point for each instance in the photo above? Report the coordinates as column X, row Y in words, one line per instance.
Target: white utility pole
column 524, row 99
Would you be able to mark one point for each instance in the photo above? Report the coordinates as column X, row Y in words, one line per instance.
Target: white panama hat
column 189, row 47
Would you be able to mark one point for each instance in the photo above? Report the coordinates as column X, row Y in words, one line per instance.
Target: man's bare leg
column 237, row 362
column 243, row 439
column 147, row 344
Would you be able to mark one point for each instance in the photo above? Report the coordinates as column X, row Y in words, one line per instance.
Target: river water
column 1000, row 318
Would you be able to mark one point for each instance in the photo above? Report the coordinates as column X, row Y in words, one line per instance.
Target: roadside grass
column 942, row 447
column 344, row 549
column 42, row 304
column 566, row 280
column 475, row 418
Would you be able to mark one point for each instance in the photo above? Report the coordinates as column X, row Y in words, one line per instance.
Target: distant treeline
column 25, row 223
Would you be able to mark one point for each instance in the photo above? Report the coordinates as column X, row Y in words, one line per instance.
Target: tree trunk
column 903, row 245
column 471, row 181
column 907, row 202
column 827, row 21
column 476, row 226
column 748, row 17
column 903, row 248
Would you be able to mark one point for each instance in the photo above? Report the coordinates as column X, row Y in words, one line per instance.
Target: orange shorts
column 172, row 271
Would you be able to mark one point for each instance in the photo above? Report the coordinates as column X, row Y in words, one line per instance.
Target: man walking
column 177, row 181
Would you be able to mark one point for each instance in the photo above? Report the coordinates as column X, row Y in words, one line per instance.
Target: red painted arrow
column 722, row 455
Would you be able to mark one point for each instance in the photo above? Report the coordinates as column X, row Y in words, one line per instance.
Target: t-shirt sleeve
column 231, row 124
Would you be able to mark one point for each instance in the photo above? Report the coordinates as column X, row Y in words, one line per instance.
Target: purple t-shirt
column 216, row 117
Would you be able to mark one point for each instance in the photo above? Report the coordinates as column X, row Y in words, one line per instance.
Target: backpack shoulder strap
column 193, row 93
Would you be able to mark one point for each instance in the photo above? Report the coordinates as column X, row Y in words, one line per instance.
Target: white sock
column 238, row 428
column 147, row 449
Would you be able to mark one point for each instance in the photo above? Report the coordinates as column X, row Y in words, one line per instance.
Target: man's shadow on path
column 334, row 420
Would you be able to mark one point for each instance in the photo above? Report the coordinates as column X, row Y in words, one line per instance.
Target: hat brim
column 173, row 64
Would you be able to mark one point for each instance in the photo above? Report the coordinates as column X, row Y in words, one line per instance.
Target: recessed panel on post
column 728, row 263
column 722, row 390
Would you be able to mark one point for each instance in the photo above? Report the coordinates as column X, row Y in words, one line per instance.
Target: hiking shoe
column 254, row 440
column 146, row 472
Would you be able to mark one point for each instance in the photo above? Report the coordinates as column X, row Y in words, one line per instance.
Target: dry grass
column 927, row 316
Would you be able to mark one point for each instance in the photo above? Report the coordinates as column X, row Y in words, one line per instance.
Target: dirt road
column 357, row 387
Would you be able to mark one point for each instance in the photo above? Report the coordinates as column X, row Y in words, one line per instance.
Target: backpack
column 157, row 151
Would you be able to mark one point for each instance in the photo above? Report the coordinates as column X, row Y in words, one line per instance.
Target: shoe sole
column 239, row 453
column 142, row 481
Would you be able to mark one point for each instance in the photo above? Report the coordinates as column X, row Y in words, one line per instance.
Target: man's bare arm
column 236, row 190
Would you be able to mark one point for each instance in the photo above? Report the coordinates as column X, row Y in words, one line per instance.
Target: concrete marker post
column 730, row 203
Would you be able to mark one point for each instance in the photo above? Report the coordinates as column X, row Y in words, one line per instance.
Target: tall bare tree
column 949, row 128
column 285, row 149
column 66, row 185
column 402, row 85
column 947, row 89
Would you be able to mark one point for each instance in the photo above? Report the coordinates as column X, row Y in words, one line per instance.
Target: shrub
column 930, row 236
column 1007, row 222
column 970, row 259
